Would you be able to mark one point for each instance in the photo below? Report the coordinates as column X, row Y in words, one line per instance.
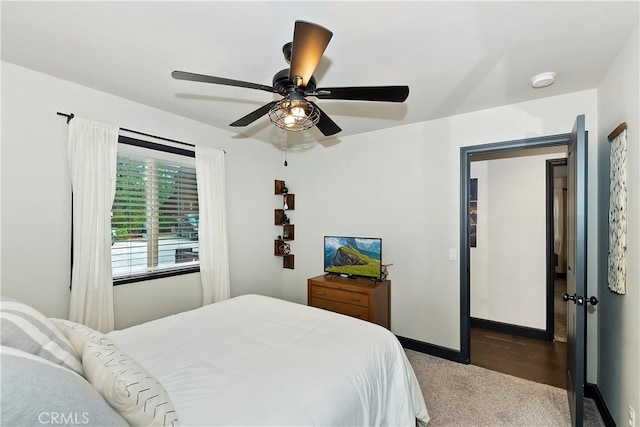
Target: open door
column 576, row 268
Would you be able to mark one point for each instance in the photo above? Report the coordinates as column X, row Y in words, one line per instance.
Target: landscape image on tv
column 353, row 256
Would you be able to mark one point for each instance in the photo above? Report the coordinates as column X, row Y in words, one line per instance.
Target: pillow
column 132, row 391
column 37, row 392
column 79, row 334
column 25, row 328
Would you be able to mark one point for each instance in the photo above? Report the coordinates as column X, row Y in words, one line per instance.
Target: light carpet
column 466, row 395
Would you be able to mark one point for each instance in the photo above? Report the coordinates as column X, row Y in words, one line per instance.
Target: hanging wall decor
column 617, row 275
column 473, row 212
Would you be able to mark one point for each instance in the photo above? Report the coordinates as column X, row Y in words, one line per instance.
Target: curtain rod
column 617, row 131
column 71, row 116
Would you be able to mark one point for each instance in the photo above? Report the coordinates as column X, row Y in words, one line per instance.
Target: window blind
column 155, row 217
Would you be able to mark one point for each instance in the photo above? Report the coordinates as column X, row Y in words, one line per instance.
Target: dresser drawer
column 357, row 297
column 340, row 307
column 339, row 295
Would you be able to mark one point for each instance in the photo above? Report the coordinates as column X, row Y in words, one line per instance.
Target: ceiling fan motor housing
column 284, row 86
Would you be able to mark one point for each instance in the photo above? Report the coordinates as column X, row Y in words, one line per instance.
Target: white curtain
column 618, row 215
column 212, row 230
column 92, row 152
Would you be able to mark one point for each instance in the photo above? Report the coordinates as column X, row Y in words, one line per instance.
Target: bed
column 253, row 360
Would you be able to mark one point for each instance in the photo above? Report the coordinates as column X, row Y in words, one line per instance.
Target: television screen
column 353, row 256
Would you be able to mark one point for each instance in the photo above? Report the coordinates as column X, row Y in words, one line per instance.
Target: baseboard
column 593, row 392
column 432, row 349
column 506, row 328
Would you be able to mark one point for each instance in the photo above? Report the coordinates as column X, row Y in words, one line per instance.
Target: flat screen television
column 353, row 256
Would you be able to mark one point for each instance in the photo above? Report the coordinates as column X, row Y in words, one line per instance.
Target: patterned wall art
column 473, row 212
column 617, row 275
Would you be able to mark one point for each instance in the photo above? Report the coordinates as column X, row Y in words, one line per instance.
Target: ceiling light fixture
column 543, row 80
column 294, row 113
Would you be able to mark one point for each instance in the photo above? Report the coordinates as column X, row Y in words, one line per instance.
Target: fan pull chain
column 285, row 157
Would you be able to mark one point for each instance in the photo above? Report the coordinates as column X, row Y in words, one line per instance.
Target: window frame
column 143, row 277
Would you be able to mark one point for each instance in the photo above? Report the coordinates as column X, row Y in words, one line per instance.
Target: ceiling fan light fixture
column 294, row 114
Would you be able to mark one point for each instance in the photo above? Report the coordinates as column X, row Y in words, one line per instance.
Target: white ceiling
column 455, row 56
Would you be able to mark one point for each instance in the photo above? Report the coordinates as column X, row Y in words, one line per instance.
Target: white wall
column 619, row 369
column 508, row 265
column 402, row 184
column 36, row 198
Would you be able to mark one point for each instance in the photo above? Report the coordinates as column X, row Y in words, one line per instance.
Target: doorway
column 576, row 143
column 499, row 342
column 514, row 218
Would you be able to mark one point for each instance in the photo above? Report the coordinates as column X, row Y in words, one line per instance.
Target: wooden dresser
column 357, row 297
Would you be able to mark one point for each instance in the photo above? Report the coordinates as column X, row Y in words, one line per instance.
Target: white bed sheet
column 256, row 360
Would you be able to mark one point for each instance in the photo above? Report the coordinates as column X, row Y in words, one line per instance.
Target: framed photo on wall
column 473, row 211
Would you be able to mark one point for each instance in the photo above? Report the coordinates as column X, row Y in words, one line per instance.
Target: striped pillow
column 26, row 329
column 131, row 390
column 79, row 334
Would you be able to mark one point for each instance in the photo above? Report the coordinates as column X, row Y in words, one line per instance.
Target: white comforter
column 255, row 360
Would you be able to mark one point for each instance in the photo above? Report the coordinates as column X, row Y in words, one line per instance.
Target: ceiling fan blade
column 183, row 75
column 309, row 42
column 366, row 93
column 254, row 115
column 325, row 125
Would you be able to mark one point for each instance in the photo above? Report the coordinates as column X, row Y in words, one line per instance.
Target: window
column 154, row 223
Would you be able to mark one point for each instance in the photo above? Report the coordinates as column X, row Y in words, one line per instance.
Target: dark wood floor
column 560, row 310
column 541, row 361
column 527, row 358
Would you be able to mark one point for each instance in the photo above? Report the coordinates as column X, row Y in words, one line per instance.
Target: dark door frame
column 466, row 154
column 551, row 165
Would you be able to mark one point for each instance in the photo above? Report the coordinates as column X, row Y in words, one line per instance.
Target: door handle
column 575, row 298
column 579, row 300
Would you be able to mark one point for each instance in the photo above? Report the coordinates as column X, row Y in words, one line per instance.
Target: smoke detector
column 543, row 79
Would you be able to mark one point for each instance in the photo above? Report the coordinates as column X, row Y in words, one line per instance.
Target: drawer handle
column 320, row 293
column 355, row 300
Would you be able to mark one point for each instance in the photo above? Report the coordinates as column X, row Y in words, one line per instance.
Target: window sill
column 155, row 275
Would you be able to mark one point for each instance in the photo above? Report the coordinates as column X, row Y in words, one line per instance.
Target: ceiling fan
column 294, row 112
